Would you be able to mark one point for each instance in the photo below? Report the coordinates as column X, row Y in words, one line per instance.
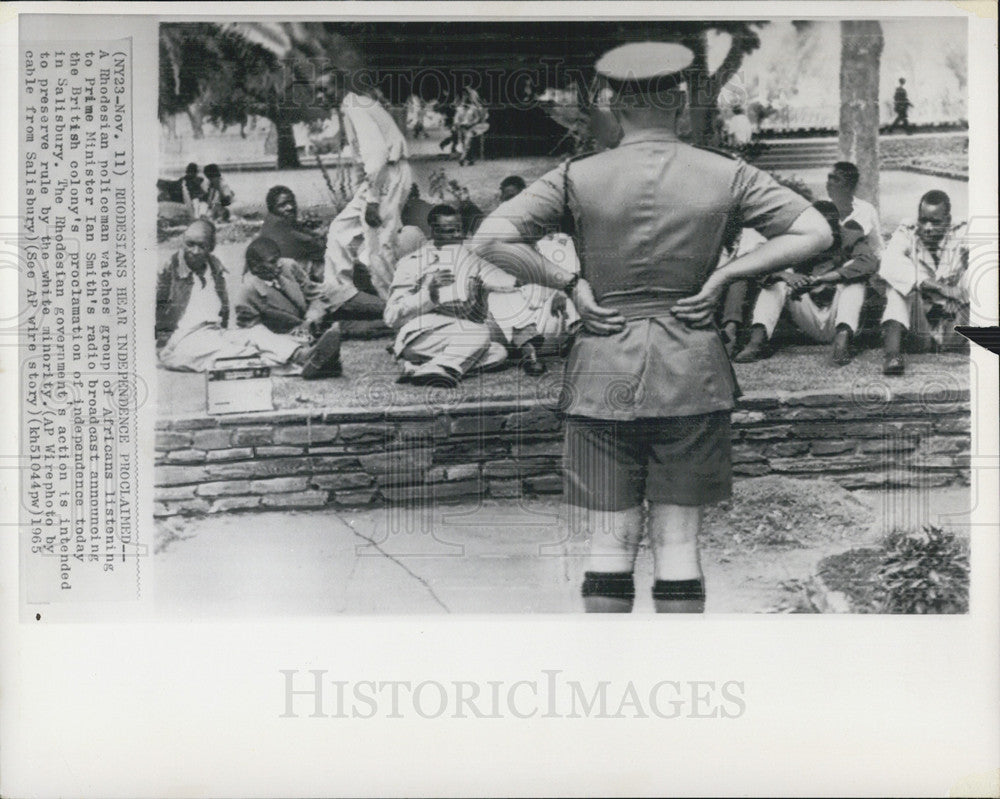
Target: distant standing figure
column 471, row 122
column 901, row 105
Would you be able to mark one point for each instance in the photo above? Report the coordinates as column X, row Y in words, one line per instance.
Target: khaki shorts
column 680, row 460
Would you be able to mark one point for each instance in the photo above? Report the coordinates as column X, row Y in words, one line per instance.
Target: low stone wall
column 352, row 458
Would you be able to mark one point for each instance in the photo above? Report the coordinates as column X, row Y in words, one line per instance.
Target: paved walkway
column 489, row 557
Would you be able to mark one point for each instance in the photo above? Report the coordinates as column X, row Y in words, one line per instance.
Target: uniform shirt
column 651, row 218
column 906, row 262
column 864, row 213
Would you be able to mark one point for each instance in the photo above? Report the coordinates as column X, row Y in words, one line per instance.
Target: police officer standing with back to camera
column 648, row 387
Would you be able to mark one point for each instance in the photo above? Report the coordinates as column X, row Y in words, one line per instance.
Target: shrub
column 924, row 572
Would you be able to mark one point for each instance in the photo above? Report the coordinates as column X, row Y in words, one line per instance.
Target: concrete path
column 470, row 558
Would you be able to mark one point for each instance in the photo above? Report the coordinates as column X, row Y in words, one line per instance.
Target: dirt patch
column 784, row 513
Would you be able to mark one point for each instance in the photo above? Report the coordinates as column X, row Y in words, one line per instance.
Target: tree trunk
column 860, row 56
column 288, row 157
column 701, row 97
column 196, row 116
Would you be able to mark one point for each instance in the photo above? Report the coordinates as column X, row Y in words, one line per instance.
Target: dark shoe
column 842, row 354
column 530, row 363
column 751, row 352
column 323, row 359
column 438, row 379
column 893, row 365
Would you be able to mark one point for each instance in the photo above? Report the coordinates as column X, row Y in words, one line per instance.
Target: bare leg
column 673, row 535
column 614, row 542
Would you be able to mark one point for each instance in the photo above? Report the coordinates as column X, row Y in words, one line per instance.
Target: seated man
column 436, row 305
column 925, row 272
column 302, row 245
column 218, row 196
column 192, row 314
column 823, row 295
column 736, row 304
column 841, row 184
column 536, row 320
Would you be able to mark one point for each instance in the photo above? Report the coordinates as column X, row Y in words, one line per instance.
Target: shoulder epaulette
column 717, row 151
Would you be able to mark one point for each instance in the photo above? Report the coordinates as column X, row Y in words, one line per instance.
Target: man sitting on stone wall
column 925, row 273
column 823, row 295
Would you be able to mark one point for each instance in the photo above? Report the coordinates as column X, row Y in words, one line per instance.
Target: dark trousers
column 903, row 118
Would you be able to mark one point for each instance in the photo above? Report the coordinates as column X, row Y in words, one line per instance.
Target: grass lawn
column 370, row 374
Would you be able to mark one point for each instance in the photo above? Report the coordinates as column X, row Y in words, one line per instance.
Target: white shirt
column 203, row 308
column 864, row 214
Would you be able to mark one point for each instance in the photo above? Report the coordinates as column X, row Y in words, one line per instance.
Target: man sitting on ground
column 436, row 305
column 925, row 269
column 823, row 295
column 297, row 242
column 536, row 320
column 218, row 195
column 841, row 184
column 192, row 315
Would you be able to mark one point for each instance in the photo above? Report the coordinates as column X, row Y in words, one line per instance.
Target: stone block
column 252, row 436
column 224, row 504
column 275, row 451
column 477, row 424
column 306, row 434
column 186, row 456
column 944, row 445
column 423, row 430
column 832, row 463
column 366, row 432
column 433, row 492
column 410, row 460
column 815, row 399
column 220, row 438
column 538, row 420
column 530, row 449
column 861, row 479
column 298, row 499
column 953, row 424
column 178, row 475
column 194, row 423
column 963, row 462
column 271, row 467
column 163, row 493
column 751, row 469
column 743, row 454
column 786, row 449
column 828, row 447
column 278, row 485
column 167, row 440
column 235, row 454
column 223, row 488
column 339, row 463
column 773, row 432
column 457, row 471
column 188, row 507
column 891, row 446
column 545, row 484
column 747, row 417
column 354, row 499
column 505, row 489
column 341, row 481
column 757, row 400
column 161, row 509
